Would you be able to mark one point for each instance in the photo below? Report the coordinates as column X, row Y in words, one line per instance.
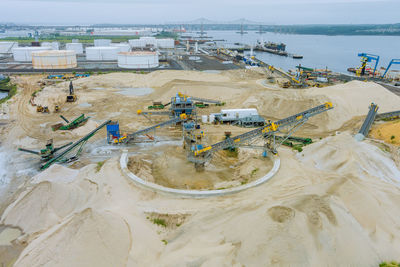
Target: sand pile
column 337, row 202
column 388, row 132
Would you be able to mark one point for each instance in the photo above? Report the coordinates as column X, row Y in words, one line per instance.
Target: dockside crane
column 201, row 154
column 365, row 58
column 393, row 61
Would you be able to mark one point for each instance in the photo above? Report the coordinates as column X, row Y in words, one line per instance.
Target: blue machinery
column 365, row 58
column 393, row 61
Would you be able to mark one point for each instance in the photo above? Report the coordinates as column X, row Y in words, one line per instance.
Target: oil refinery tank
column 122, row 47
column 165, row 43
column 101, row 53
column 25, row 53
column 77, row 47
column 51, row 45
column 138, row 60
column 102, row 42
column 54, row 59
column 6, row 47
column 143, row 42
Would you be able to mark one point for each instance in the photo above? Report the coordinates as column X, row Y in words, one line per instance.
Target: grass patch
column 389, row 264
column 164, row 241
column 392, row 137
column 253, row 172
column 160, row 222
column 99, row 165
column 233, row 153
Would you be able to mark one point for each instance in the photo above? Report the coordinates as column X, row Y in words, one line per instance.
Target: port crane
column 365, row 58
column 201, row 154
column 393, row 61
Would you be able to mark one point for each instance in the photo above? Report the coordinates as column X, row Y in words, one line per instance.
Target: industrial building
column 55, row 59
column 138, row 60
column 101, row 53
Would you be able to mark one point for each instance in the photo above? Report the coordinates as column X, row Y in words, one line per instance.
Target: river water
column 335, row 52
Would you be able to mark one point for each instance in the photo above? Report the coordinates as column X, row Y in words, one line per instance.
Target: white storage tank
column 204, row 118
column 77, row 47
column 122, row 47
column 149, row 40
column 138, row 60
column 137, row 43
column 102, row 42
column 25, row 53
column 6, row 47
column 54, row 59
column 52, row 45
column 166, row 43
column 101, row 53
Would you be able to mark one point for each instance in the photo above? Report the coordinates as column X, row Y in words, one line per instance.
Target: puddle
column 3, row 95
column 135, row 91
column 85, row 105
column 194, row 58
column 99, row 88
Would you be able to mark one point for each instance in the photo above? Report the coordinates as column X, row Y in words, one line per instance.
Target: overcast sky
column 163, row 11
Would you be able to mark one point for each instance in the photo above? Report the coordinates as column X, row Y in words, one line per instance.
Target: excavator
column 71, row 97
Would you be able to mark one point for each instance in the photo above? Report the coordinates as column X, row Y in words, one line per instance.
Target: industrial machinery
column 393, row 115
column 42, row 109
column 78, row 145
column 201, row 153
column 71, row 97
column 364, row 130
column 365, row 58
column 46, row 153
column 114, row 135
column 56, row 108
column 158, row 105
column 393, row 61
column 53, row 76
column 70, row 125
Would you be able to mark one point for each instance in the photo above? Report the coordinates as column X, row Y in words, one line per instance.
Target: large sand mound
column 337, row 202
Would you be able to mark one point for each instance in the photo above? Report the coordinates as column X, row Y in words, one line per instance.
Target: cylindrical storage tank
column 6, row 47
column 101, row 53
column 54, row 59
column 165, row 43
column 212, row 118
column 149, row 41
column 122, row 47
column 102, row 42
column 204, row 118
column 138, row 60
column 137, row 43
column 77, row 47
column 25, row 53
column 51, row 45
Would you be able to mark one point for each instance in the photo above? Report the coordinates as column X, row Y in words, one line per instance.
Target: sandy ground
column 388, row 132
column 336, row 203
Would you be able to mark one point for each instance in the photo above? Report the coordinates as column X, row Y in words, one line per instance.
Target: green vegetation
column 253, row 172
column 160, row 222
column 164, row 241
column 165, row 34
column 7, row 86
column 392, row 137
column 99, row 165
column 390, row 264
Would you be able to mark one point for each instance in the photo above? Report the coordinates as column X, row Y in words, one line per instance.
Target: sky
column 86, row 12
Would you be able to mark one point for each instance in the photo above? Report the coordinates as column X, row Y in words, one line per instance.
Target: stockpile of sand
column 337, row 202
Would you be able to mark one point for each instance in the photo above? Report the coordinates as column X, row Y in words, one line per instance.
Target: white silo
column 101, row 53
column 122, row 47
column 166, row 43
column 77, row 47
column 149, row 41
column 54, row 59
column 25, row 53
column 138, row 60
column 102, row 42
column 51, row 45
column 137, row 43
column 6, row 47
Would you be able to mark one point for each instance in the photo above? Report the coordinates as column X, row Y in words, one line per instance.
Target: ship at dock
column 271, row 47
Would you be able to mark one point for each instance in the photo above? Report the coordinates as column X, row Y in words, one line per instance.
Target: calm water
column 335, row 52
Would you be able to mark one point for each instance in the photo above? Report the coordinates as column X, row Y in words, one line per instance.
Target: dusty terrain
column 336, row 203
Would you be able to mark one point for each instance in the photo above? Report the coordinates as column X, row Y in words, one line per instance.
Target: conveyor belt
column 74, row 145
column 268, row 129
column 373, row 109
column 388, row 115
column 154, row 127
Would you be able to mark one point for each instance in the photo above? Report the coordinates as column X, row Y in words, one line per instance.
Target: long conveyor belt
column 154, row 127
column 205, row 100
column 388, row 115
column 364, row 130
column 268, row 129
column 74, row 145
